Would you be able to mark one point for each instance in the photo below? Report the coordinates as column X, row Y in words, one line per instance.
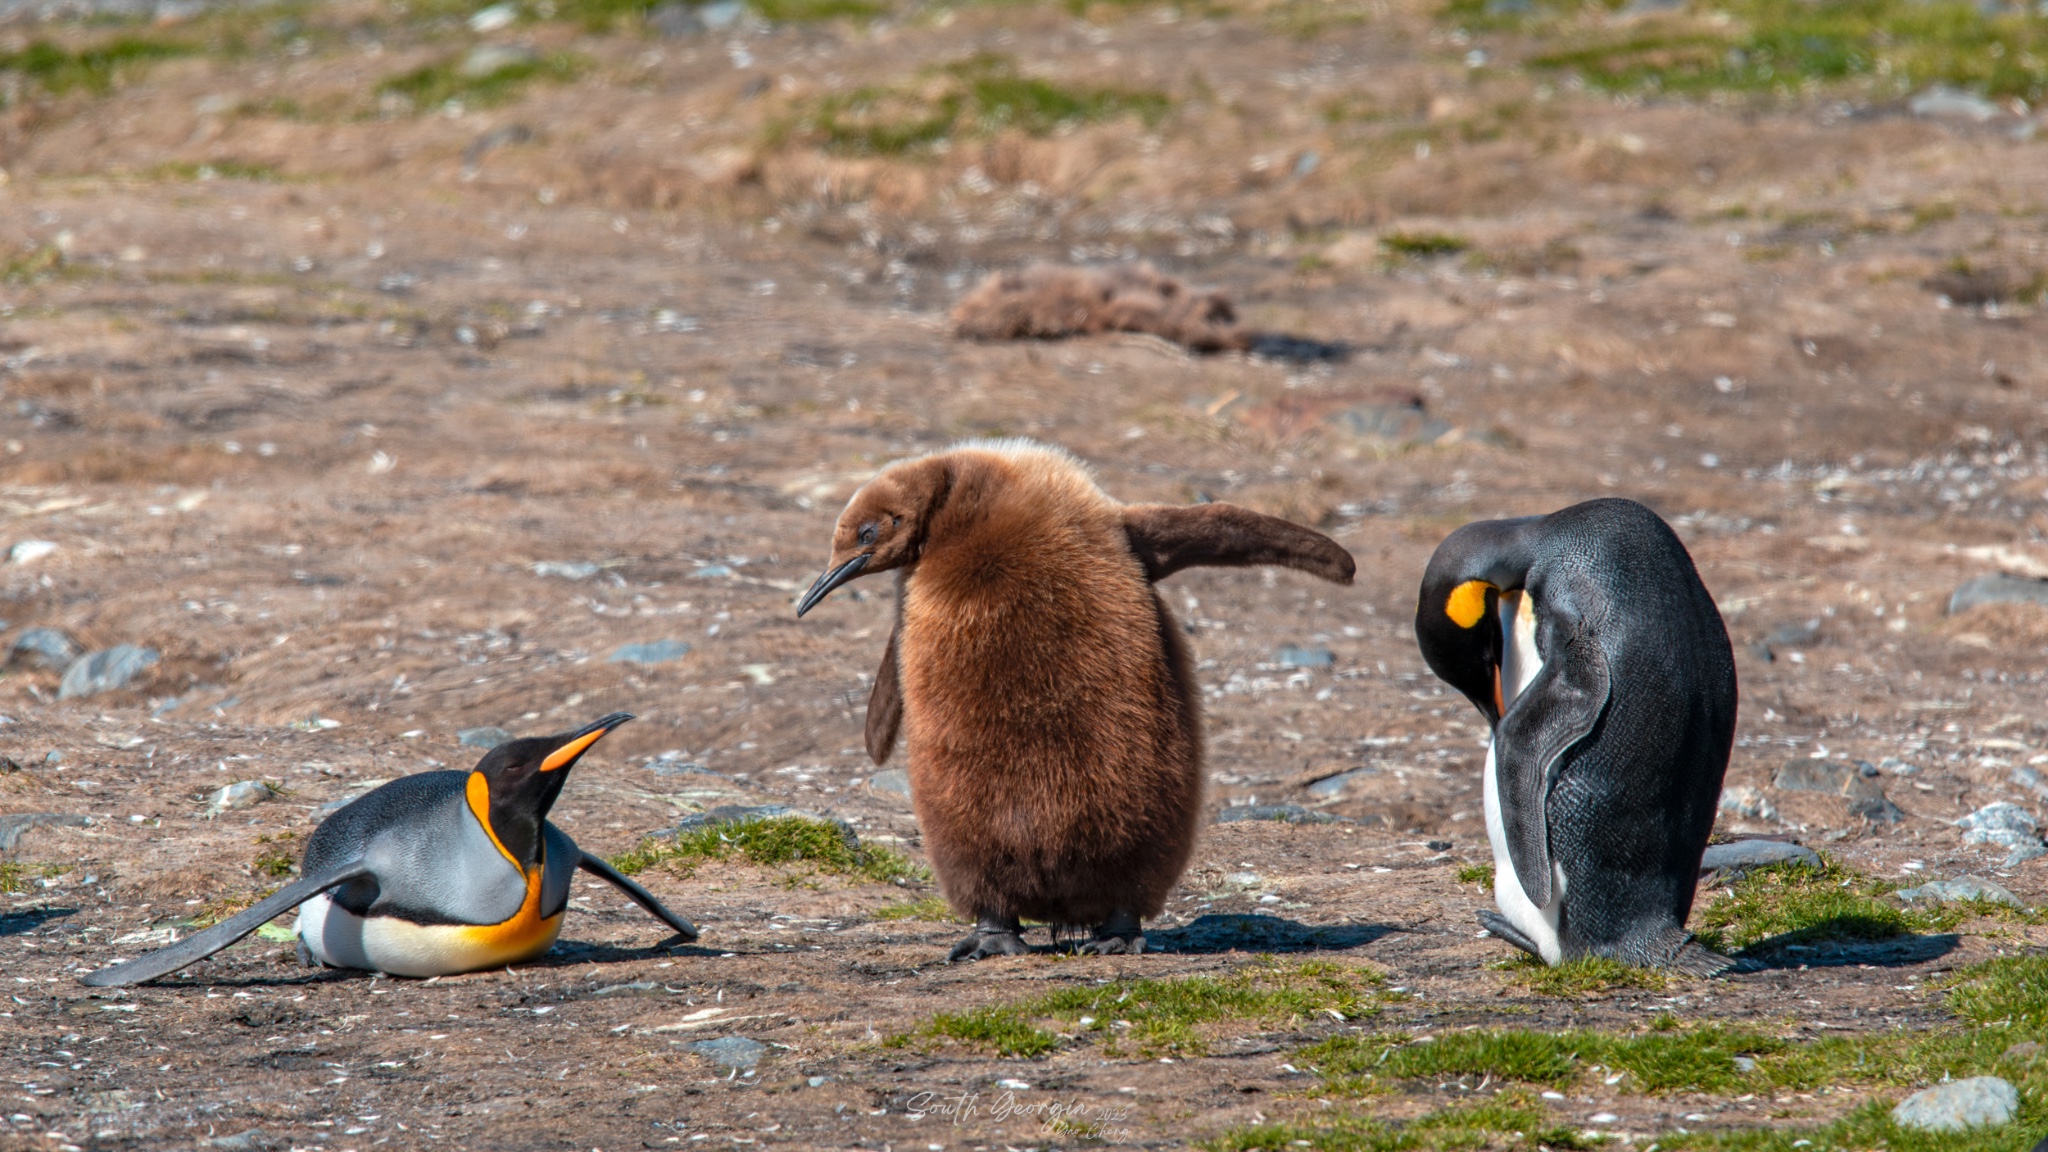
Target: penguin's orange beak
column 832, row 578
column 579, row 741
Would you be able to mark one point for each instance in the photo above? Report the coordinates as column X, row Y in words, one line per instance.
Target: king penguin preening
column 1588, row 641
column 1044, row 690
column 432, row 874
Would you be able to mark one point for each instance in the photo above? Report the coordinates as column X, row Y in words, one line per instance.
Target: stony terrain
column 385, row 389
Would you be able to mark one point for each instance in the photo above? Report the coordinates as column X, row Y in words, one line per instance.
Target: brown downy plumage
column 1044, row 690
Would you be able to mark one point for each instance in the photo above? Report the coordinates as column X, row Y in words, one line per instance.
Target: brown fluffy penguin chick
column 1044, row 690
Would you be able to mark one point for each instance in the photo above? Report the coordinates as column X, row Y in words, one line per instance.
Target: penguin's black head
column 521, row 778
column 884, row 524
column 1457, row 616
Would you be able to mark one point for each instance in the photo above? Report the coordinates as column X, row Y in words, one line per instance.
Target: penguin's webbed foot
column 1119, row 935
column 993, row 936
column 1696, row 959
column 306, row 958
column 1498, row 925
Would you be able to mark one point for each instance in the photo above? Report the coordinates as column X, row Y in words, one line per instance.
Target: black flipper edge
column 200, row 945
column 641, row 896
column 1498, row 925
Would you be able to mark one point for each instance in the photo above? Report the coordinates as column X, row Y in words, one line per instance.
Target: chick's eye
column 867, row 534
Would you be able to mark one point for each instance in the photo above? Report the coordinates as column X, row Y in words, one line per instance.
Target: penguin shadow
column 16, row 923
column 1790, row 952
column 568, row 953
column 1222, row 932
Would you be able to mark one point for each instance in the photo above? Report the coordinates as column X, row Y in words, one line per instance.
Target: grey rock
column 54, row 758
column 1740, row 855
column 1745, row 1063
column 1283, row 813
column 2029, row 779
column 1893, row 766
column 254, row 1140
column 12, row 827
column 490, row 59
column 1813, row 776
column 675, row 20
column 1997, row 588
column 711, row 572
column 1795, row 635
column 1944, row 103
column 741, row 813
column 2024, row 1050
column 721, row 14
column 487, row 737
column 1293, row 656
column 675, row 766
column 105, row 671
column 240, row 794
column 2008, row 826
column 1331, row 787
column 566, row 569
column 1962, row 888
column 1873, row 805
column 44, row 648
column 894, row 780
column 652, row 652
column 1980, row 1101
column 636, row 988
column 1750, row 803
column 1393, row 423
column 731, row 1051
column 1306, row 164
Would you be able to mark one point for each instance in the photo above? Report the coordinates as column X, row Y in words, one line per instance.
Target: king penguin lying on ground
column 432, row 874
column 1051, row 714
column 1588, row 641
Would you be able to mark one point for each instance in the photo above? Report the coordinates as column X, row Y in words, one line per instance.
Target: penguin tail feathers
column 684, row 930
column 1696, row 959
column 200, row 945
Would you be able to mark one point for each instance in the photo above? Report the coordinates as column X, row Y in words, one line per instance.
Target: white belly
column 336, row 936
column 1520, row 662
column 1538, row 924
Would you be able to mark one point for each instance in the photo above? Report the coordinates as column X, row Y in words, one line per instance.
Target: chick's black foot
column 993, row 936
column 1121, row 934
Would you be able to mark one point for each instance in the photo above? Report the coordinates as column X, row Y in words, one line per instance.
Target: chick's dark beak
column 576, row 743
column 832, row 578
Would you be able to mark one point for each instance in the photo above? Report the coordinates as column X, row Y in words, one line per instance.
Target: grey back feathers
column 431, row 860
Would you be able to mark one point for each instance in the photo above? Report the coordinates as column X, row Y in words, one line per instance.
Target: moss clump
column 1584, row 976
column 1422, row 245
column 2010, row 992
column 1156, row 1017
column 981, row 95
column 1804, row 903
column 776, row 840
column 1509, row 1120
column 929, row 908
column 1769, row 46
column 1480, row 874
column 58, row 70
column 434, row 85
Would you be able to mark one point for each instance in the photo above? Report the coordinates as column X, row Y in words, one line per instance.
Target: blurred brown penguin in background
column 1049, row 700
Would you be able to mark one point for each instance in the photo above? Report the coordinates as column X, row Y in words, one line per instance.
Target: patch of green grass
column 1157, row 1017
column 929, row 908
column 275, row 860
column 17, row 878
column 58, row 70
column 1870, row 1126
column 214, row 170
column 1422, row 245
column 981, row 95
column 434, row 85
column 1764, row 45
column 1581, row 977
column 772, row 841
column 31, row 265
column 1509, row 1120
column 2011, row 991
column 812, row 11
column 1481, row 874
column 1801, row 903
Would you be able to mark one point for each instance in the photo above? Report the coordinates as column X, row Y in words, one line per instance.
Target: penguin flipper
column 1558, row 709
column 200, row 945
column 638, row 895
column 885, row 703
column 1169, row 537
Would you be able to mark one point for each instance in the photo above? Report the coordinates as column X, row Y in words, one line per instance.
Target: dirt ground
column 303, row 392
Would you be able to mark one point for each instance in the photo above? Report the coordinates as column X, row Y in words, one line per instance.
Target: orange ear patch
column 479, row 795
column 1466, row 605
column 571, row 750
